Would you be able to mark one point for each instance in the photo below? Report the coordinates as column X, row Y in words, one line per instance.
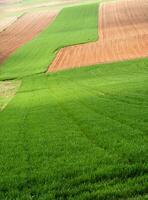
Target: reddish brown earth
column 23, row 30
column 123, row 35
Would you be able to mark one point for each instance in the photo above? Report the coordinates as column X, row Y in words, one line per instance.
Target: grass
column 78, row 134
column 73, row 25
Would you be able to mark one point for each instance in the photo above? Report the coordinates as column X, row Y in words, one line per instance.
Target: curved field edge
column 74, row 25
column 122, row 36
column 77, row 134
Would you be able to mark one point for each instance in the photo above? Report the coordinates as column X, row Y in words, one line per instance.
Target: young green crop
column 78, row 134
column 73, row 25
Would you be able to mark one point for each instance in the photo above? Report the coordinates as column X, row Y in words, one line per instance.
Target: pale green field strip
column 78, row 134
column 73, row 25
column 8, row 90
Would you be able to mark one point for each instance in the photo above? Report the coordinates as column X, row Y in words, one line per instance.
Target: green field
column 36, row 55
column 74, row 135
column 79, row 134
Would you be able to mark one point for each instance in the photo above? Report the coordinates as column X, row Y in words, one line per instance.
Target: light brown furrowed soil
column 4, row 23
column 23, row 30
column 123, row 35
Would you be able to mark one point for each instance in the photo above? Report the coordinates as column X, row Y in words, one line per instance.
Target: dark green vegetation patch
column 79, row 134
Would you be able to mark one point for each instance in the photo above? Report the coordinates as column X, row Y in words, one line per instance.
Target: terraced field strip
column 35, row 56
column 123, row 35
column 23, row 30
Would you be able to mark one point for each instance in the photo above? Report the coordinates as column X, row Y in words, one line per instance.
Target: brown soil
column 23, row 30
column 123, row 35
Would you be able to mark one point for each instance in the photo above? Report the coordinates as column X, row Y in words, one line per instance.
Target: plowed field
column 4, row 23
column 123, row 35
column 23, row 30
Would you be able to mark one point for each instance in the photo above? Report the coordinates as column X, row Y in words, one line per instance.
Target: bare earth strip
column 8, row 90
column 4, row 23
column 23, row 30
column 123, row 35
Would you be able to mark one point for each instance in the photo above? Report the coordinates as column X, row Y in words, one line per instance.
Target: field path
column 123, row 35
column 23, row 30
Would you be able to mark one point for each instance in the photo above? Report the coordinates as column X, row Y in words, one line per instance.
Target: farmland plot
column 4, row 23
column 123, row 35
column 79, row 134
column 35, row 56
column 23, row 30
